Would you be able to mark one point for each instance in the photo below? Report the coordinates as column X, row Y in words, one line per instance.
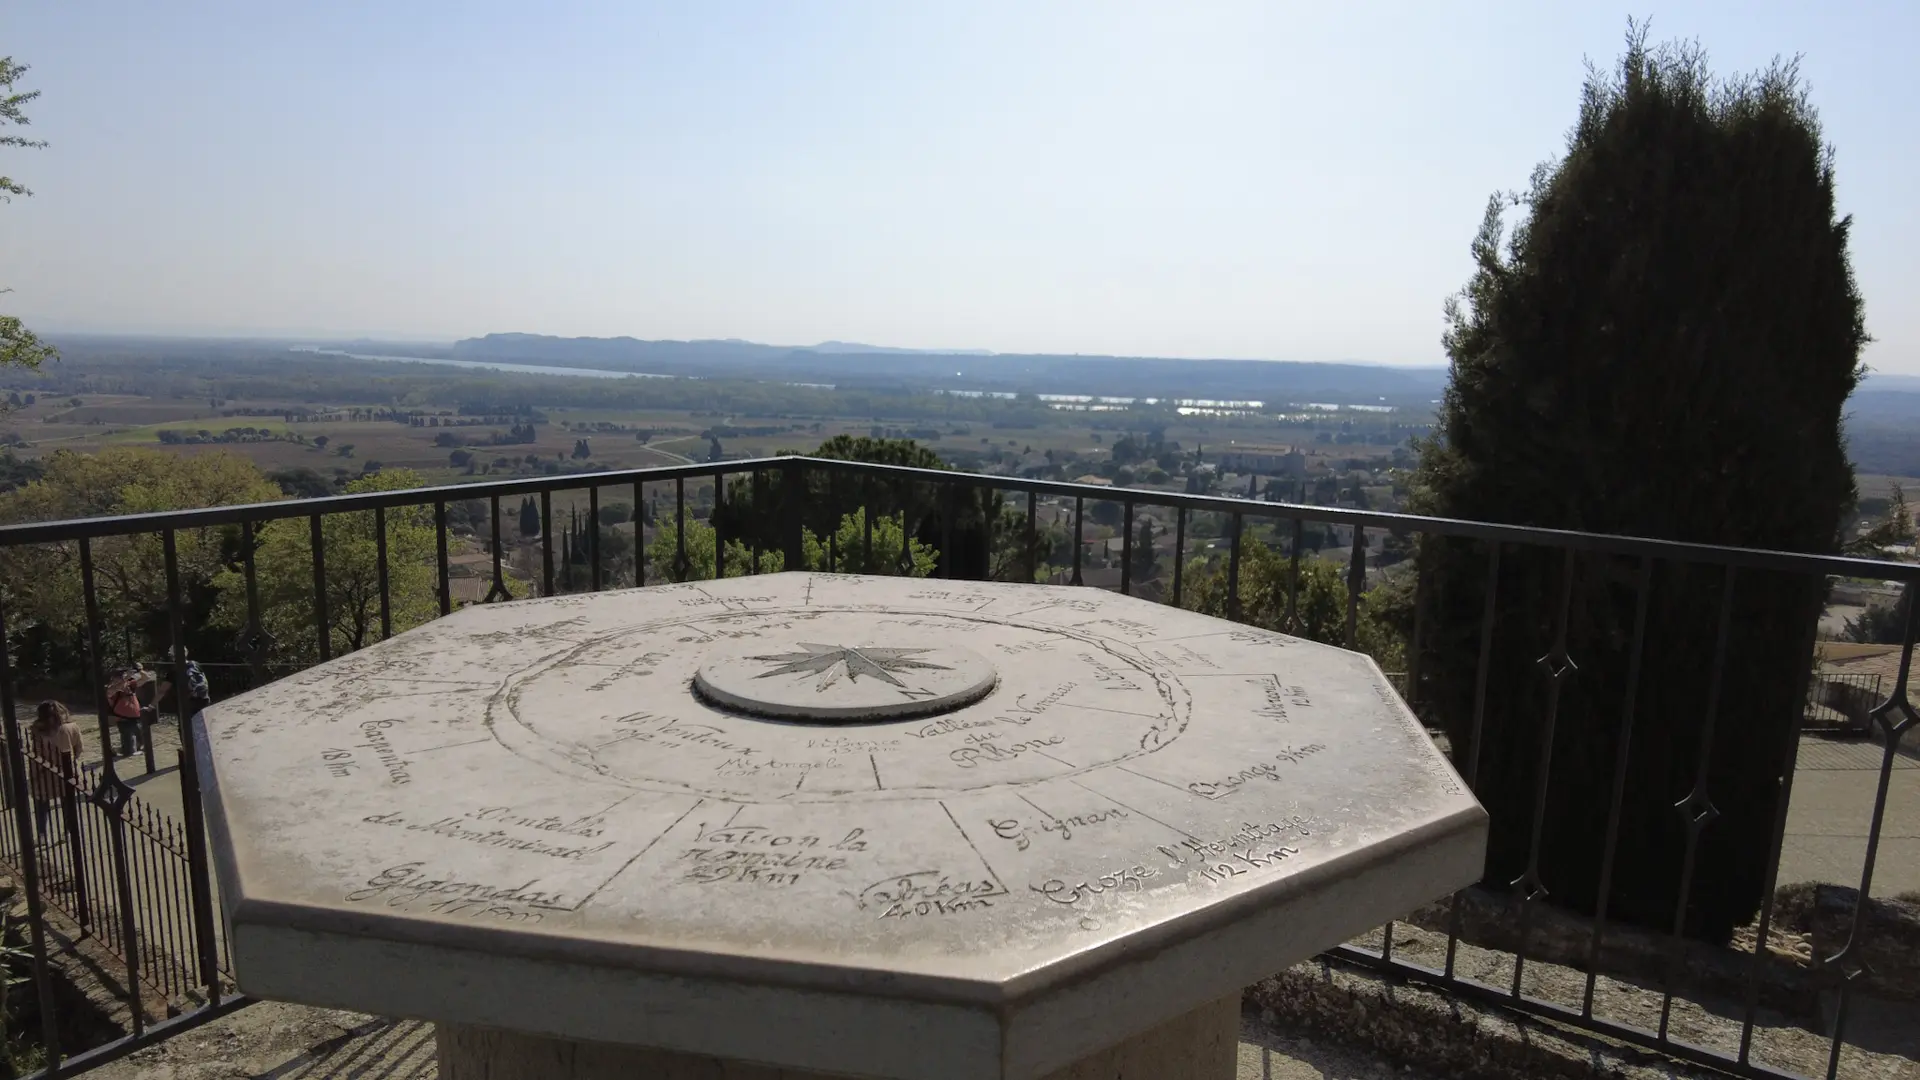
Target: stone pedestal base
column 1201, row 1045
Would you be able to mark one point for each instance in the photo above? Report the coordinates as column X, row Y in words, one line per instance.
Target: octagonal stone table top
column 877, row 826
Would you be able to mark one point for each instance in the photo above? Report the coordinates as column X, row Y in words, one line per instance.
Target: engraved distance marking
column 1260, row 770
column 922, row 893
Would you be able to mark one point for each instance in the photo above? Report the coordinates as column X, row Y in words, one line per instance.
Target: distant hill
column 848, row 364
column 856, row 347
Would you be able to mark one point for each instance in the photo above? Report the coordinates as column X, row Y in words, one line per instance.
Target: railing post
column 546, row 544
column 112, row 796
column 866, row 524
column 498, row 591
column 639, row 535
column 949, row 506
column 793, row 504
column 320, row 616
column 833, row 521
column 679, row 529
column 24, row 826
column 70, row 824
column 445, row 583
column 1079, row 506
column 198, row 879
column 380, row 567
column 713, row 519
column 1033, row 539
column 1179, row 552
column 1233, row 568
column 1356, row 581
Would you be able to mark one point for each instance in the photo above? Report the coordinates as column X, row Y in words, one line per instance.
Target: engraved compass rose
column 829, row 662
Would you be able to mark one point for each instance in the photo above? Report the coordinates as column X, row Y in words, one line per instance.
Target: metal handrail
column 1674, row 550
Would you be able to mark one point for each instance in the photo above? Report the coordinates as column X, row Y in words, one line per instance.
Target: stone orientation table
column 808, row 824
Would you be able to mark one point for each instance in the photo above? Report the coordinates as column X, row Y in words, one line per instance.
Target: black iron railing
column 792, row 512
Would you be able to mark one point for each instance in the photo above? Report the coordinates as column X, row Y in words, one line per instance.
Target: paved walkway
column 1834, row 787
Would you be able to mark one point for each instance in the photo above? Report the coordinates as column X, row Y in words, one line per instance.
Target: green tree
column 283, row 567
column 529, row 517
column 301, row 483
column 962, row 518
column 1881, row 624
column 1317, row 601
column 18, row 345
column 1661, row 348
column 43, row 582
column 663, row 552
column 1010, row 543
column 847, row 552
column 850, row 553
column 1894, row 529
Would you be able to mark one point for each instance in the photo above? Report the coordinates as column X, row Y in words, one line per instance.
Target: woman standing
column 56, row 739
column 123, row 700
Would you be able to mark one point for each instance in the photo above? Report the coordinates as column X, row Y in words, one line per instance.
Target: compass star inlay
column 829, row 662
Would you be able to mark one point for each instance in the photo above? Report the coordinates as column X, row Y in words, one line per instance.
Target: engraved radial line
column 1131, row 810
column 1101, row 708
column 976, row 850
column 878, row 786
column 649, row 847
column 826, row 661
column 1035, row 805
column 1029, row 611
column 616, row 804
column 1050, row 757
column 449, row 746
column 477, row 684
column 1182, row 637
column 1157, row 780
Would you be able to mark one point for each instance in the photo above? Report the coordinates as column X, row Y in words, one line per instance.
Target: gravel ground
column 1882, row 1043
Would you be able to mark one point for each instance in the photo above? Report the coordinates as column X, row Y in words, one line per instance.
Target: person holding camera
column 130, row 715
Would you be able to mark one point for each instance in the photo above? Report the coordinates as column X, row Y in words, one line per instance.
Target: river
column 489, row 365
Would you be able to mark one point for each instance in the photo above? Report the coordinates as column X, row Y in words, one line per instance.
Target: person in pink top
column 123, row 700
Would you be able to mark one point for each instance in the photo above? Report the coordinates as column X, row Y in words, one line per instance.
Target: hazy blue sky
column 1186, row 179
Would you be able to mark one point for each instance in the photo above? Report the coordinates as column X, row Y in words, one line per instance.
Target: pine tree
column 1662, row 349
column 529, row 517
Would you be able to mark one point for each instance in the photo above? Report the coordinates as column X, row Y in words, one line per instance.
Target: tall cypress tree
column 1661, row 348
column 529, row 517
